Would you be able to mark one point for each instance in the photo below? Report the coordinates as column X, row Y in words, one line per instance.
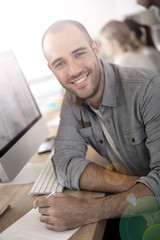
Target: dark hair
column 137, row 28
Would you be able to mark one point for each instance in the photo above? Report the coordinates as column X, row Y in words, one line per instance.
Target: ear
column 96, row 48
column 49, row 67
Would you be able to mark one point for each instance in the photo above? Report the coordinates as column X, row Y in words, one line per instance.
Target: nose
column 73, row 68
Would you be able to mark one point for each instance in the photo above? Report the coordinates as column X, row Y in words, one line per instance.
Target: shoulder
column 136, row 79
column 149, row 50
column 133, row 74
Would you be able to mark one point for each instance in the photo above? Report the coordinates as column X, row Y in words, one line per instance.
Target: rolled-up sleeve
column 70, row 148
column 150, row 110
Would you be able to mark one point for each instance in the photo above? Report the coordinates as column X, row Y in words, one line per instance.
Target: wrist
column 95, row 210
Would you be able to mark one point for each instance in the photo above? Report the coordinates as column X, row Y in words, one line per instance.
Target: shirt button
column 133, row 140
column 101, row 141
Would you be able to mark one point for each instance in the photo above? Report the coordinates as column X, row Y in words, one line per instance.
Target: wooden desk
column 21, row 202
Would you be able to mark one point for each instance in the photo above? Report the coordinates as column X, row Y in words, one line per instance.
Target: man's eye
column 59, row 64
column 79, row 54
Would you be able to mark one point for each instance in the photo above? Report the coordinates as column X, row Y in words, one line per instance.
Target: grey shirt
column 131, row 111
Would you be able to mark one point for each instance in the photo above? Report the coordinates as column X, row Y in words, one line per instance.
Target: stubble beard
column 95, row 82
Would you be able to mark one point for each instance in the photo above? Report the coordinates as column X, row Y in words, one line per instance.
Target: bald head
column 60, row 25
column 74, row 59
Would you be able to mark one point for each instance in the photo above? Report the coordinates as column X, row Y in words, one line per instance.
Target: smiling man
column 75, row 63
column 111, row 108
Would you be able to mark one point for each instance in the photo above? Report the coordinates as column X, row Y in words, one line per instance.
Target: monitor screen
column 19, row 112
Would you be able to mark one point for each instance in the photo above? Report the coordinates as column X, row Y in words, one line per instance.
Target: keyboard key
column 47, row 181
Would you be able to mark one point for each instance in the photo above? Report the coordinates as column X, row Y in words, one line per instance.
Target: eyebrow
column 78, row 49
column 73, row 52
column 56, row 60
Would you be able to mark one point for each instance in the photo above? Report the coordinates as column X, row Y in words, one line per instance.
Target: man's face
column 74, row 62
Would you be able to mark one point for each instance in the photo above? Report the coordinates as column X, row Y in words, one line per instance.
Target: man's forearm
column 97, row 178
column 63, row 211
column 113, row 206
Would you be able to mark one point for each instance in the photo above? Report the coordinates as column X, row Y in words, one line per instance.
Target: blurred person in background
column 143, row 35
column 142, row 32
column 149, row 3
column 154, row 4
column 124, row 49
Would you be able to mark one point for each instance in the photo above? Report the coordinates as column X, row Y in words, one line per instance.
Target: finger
column 43, row 210
column 51, row 226
column 40, row 202
column 45, row 219
column 49, row 222
column 54, row 227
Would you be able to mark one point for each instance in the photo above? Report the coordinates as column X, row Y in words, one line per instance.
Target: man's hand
column 63, row 211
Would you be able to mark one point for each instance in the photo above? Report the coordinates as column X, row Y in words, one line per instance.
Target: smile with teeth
column 80, row 80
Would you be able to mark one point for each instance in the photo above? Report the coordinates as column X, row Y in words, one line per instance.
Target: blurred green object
column 152, row 233
column 141, row 219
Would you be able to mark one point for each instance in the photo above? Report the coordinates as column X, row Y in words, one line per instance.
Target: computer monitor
column 22, row 127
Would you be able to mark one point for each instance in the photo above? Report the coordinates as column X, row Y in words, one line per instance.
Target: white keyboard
column 46, row 181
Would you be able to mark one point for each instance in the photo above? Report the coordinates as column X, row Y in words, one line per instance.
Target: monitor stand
column 27, row 175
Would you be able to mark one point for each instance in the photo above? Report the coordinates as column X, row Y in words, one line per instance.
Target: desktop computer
column 22, row 127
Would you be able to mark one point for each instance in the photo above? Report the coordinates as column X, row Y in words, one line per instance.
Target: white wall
column 126, row 7
column 23, row 22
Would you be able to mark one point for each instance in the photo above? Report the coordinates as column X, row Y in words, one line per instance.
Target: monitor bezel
column 10, row 144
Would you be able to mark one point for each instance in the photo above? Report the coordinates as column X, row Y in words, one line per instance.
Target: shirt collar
column 110, row 86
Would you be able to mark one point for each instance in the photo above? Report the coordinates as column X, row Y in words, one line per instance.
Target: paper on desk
column 30, row 228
